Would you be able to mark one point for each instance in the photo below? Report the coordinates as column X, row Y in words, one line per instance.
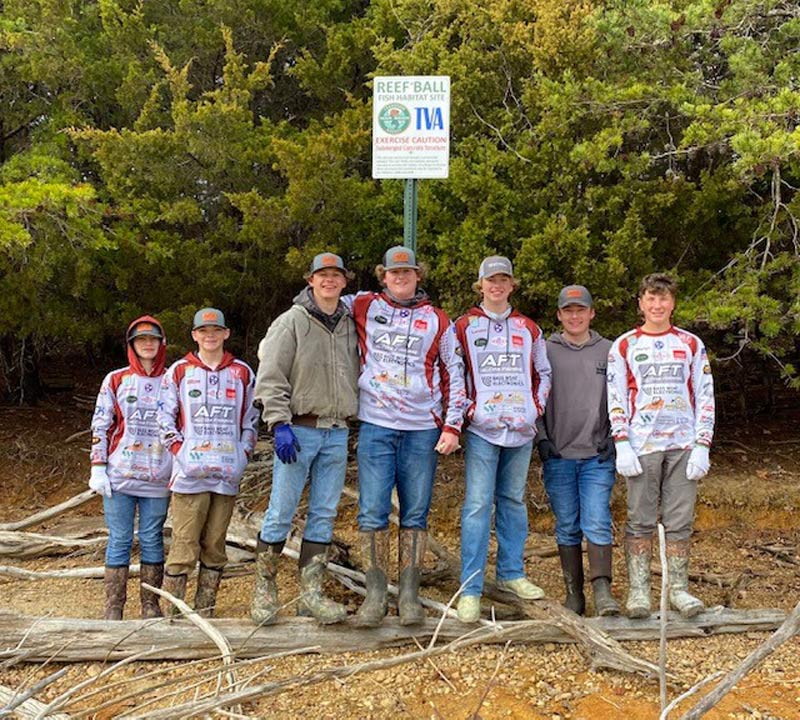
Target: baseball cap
column 325, row 261
column 143, row 329
column 574, row 295
column 495, row 265
column 208, row 316
column 400, row 257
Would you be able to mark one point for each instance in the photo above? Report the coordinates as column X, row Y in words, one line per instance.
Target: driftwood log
column 79, row 640
column 50, row 512
column 28, row 709
column 27, row 545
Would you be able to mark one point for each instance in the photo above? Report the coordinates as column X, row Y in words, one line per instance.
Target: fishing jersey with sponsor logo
column 411, row 376
column 209, row 422
column 125, row 434
column 660, row 391
column 508, row 376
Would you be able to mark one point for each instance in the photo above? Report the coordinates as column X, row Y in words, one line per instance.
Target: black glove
column 547, row 450
column 606, row 450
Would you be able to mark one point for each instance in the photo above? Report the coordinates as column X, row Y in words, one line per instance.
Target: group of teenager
column 419, row 386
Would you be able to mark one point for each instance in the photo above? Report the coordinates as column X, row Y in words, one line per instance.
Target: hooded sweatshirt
column 508, row 375
column 308, row 365
column 411, row 376
column 576, row 420
column 125, row 429
column 209, row 423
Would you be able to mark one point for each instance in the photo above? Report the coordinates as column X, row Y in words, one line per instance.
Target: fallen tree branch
column 27, row 545
column 50, row 512
column 787, row 631
column 22, row 704
column 86, row 640
column 83, row 573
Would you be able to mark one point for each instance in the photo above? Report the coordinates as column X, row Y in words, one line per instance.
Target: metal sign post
column 411, row 136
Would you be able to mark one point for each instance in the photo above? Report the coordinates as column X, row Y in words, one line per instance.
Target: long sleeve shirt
column 660, row 391
column 208, row 421
column 508, row 375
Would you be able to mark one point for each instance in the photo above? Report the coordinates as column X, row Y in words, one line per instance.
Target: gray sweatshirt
column 576, row 418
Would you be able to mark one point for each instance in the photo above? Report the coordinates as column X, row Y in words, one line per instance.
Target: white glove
column 698, row 464
column 628, row 464
column 99, row 482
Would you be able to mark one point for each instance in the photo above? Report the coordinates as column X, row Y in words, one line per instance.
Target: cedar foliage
column 160, row 156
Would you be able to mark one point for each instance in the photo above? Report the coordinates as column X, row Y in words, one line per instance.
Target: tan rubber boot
column 411, row 552
column 638, row 551
column 313, row 601
column 678, row 567
column 264, row 605
column 375, row 554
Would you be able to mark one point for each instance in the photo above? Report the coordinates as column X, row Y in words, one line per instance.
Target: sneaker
column 522, row 588
column 469, row 608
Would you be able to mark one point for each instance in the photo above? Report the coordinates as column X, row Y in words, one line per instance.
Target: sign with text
column 411, row 126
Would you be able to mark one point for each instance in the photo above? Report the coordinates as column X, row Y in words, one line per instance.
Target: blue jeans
column 120, row 510
column 580, row 496
column 322, row 458
column 496, row 476
column 386, row 458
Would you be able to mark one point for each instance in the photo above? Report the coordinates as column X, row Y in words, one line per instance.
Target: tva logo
column 429, row 118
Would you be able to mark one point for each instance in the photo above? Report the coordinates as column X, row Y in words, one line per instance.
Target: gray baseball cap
column 208, row 316
column 574, row 295
column 399, row 257
column 326, row 261
column 495, row 265
column 145, row 329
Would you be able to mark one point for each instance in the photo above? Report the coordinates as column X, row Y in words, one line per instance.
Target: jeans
column 386, row 458
column 496, row 476
column 120, row 510
column 580, row 496
column 322, row 459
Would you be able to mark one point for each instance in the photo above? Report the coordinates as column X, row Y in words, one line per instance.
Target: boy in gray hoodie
column 576, row 450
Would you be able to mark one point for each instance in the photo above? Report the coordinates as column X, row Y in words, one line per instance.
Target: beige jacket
column 305, row 369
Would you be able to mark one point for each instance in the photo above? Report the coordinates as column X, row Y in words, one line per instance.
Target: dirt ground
column 747, row 529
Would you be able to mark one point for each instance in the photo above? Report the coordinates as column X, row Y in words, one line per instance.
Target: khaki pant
column 199, row 525
column 663, row 477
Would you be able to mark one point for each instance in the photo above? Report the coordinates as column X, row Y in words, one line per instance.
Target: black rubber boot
column 572, row 568
column 600, row 576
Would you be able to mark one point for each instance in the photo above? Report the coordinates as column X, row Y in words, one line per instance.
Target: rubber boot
column 375, row 554
column 205, row 597
column 264, row 605
column 600, row 577
column 638, row 551
column 175, row 585
column 153, row 575
column 313, row 559
column 411, row 551
column 678, row 567
column 572, row 569
column 116, row 584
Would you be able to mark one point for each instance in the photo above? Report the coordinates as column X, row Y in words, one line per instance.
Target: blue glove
column 286, row 445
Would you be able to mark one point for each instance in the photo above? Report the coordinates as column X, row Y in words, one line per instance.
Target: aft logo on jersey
column 389, row 341
column 655, row 373
column 500, row 362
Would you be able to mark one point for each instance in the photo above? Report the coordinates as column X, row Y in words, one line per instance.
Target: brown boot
column 678, row 567
column 175, row 585
column 600, row 576
column 116, row 582
column 375, row 556
column 571, row 557
column 153, row 575
column 205, row 597
column 411, row 553
column 313, row 601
